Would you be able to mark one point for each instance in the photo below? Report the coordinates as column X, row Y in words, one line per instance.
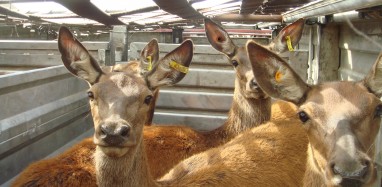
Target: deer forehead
column 340, row 102
column 121, row 87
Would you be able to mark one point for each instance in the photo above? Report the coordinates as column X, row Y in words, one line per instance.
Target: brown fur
column 50, row 172
column 272, row 154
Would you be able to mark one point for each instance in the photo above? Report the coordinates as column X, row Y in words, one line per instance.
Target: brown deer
column 167, row 145
column 75, row 166
column 250, row 106
column 342, row 119
column 119, row 101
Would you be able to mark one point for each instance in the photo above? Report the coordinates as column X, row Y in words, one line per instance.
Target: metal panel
column 202, row 121
column 19, row 55
column 41, row 110
column 209, row 78
column 194, row 100
column 357, row 52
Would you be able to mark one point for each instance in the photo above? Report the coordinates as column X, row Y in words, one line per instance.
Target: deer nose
column 253, row 84
column 114, row 135
column 357, row 173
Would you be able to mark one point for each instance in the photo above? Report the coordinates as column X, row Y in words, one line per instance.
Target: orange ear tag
column 150, row 66
column 289, row 43
column 278, row 76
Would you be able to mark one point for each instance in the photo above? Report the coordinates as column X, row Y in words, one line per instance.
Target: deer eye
column 303, row 116
column 90, row 95
column 148, row 99
column 235, row 63
column 378, row 111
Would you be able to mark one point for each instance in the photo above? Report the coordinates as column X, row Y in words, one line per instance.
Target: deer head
column 148, row 58
column 119, row 101
column 341, row 119
column 238, row 57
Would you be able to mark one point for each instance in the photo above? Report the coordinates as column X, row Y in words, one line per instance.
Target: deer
column 74, row 167
column 119, row 101
column 341, row 119
column 250, row 107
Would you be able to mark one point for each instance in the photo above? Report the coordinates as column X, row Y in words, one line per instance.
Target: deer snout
column 114, row 134
column 356, row 170
column 253, row 84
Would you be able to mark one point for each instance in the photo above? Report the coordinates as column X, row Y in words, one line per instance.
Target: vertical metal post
column 177, row 36
column 310, row 56
column 316, row 60
column 118, row 44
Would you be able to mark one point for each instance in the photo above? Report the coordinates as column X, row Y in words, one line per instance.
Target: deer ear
column 172, row 67
column 288, row 37
column 274, row 75
column 76, row 58
column 149, row 56
column 219, row 38
column 373, row 79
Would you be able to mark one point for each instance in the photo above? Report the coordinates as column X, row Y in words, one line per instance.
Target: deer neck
column 245, row 113
column 313, row 173
column 128, row 170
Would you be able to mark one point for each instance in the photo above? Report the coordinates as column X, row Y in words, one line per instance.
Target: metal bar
column 326, row 7
column 248, row 18
column 268, row 24
column 230, row 31
column 341, row 17
column 310, row 57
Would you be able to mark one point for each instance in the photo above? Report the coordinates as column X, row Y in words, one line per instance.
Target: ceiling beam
column 86, row 9
column 138, row 11
column 249, row 6
column 180, row 8
column 10, row 13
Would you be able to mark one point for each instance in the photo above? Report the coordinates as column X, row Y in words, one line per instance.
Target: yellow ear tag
column 150, row 66
column 289, row 43
column 278, row 76
column 179, row 67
